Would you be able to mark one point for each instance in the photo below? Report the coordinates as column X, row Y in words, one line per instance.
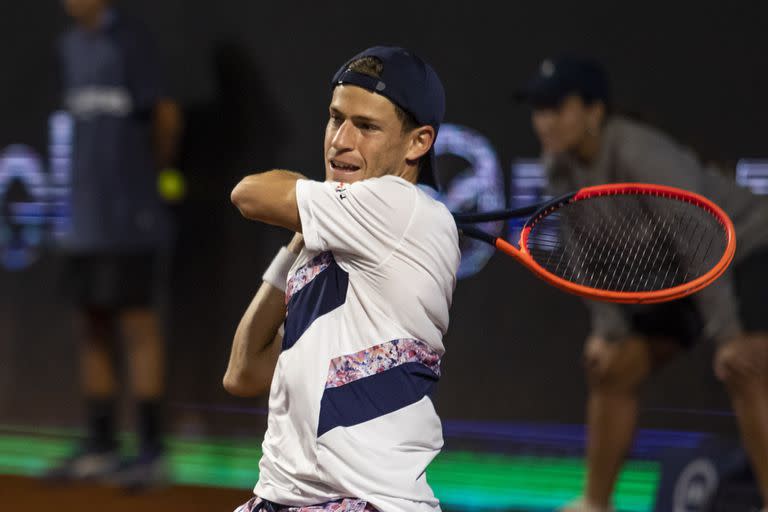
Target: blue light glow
column 478, row 188
column 34, row 204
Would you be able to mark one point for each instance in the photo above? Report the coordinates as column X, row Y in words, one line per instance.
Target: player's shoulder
column 388, row 183
column 400, row 193
column 388, row 192
column 435, row 216
column 628, row 130
column 635, row 138
column 123, row 21
column 131, row 34
column 623, row 129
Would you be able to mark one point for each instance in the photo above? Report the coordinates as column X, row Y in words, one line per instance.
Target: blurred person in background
column 126, row 130
column 583, row 143
column 346, row 328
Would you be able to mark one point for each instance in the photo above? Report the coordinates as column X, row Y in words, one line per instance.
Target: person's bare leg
column 146, row 352
column 97, row 372
column 95, row 328
column 615, row 371
column 146, row 359
column 97, row 457
column 742, row 365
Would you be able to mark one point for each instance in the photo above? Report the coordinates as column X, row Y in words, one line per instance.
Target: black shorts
column 682, row 321
column 113, row 280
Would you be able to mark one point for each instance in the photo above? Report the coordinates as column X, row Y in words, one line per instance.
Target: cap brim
column 541, row 92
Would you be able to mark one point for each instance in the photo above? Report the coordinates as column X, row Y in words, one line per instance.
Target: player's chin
column 553, row 148
column 346, row 176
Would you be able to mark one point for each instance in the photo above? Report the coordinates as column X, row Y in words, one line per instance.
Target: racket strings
column 628, row 243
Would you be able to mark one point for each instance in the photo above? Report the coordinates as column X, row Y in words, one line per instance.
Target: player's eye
column 368, row 127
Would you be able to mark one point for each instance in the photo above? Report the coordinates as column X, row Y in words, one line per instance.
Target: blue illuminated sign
column 753, row 174
column 527, row 186
column 477, row 188
column 33, row 202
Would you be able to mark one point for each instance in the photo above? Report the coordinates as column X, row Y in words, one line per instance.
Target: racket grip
column 473, row 232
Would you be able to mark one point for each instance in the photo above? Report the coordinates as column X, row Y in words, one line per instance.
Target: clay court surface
column 21, row 494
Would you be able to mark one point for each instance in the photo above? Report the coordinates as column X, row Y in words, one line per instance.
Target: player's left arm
column 145, row 80
column 269, row 197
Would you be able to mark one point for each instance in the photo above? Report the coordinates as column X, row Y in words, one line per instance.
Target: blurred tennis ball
column 171, row 185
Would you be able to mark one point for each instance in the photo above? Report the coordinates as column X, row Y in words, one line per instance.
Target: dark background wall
column 253, row 80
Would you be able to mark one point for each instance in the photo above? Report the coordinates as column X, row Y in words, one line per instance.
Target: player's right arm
column 257, row 343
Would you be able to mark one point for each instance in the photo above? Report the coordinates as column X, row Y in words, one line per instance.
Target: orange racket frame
column 523, row 256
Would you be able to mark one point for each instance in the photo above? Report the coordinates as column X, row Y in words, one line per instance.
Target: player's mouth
column 343, row 167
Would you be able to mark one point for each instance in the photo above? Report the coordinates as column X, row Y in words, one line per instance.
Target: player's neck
column 409, row 173
column 587, row 151
column 93, row 21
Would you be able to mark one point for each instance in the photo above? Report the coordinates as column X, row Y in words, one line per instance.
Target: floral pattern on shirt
column 306, row 273
column 379, row 358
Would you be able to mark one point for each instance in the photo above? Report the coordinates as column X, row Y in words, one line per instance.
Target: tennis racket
column 623, row 242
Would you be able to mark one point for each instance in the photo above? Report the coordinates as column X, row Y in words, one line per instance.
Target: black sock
column 150, row 427
column 101, row 424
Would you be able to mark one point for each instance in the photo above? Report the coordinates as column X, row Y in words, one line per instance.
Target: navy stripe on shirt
column 374, row 396
column 324, row 289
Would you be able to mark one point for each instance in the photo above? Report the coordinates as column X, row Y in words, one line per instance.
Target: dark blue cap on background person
column 408, row 82
column 560, row 77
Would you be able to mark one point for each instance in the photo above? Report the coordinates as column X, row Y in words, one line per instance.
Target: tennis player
column 346, row 329
column 584, row 144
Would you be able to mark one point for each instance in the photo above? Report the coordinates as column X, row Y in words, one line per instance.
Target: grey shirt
column 111, row 85
column 634, row 152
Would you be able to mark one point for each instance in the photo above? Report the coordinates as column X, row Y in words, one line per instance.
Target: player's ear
column 596, row 116
column 420, row 140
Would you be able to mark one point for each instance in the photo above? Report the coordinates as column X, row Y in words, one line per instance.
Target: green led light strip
column 462, row 480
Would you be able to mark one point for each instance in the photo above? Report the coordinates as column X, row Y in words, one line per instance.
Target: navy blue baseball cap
column 408, row 82
column 560, row 77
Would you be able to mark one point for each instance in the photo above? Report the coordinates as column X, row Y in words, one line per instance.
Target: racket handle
column 510, row 250
column 495, row 215
column 473, row 232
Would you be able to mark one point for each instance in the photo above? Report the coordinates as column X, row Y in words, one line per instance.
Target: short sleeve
column 142, row 67
column 361, row 223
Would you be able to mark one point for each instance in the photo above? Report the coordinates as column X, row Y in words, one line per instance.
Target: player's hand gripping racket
column 624, row 242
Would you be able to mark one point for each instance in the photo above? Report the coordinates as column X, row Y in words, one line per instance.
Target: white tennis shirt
column 350, row 413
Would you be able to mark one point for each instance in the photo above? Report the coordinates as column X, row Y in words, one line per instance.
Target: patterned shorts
column 256, row 504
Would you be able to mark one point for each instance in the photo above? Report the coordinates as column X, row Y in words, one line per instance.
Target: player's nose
column 344, row 138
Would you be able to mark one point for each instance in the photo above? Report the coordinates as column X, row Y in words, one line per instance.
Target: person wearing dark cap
column 346, row 329
column 583, row 144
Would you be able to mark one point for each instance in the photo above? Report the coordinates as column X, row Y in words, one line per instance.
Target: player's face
column 84, row 9
column 563, row 128
column 364, row 137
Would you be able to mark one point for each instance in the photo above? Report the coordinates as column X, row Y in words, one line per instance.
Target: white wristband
column 277, row 272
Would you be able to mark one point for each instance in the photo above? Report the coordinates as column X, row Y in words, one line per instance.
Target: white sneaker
column 85, row 465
